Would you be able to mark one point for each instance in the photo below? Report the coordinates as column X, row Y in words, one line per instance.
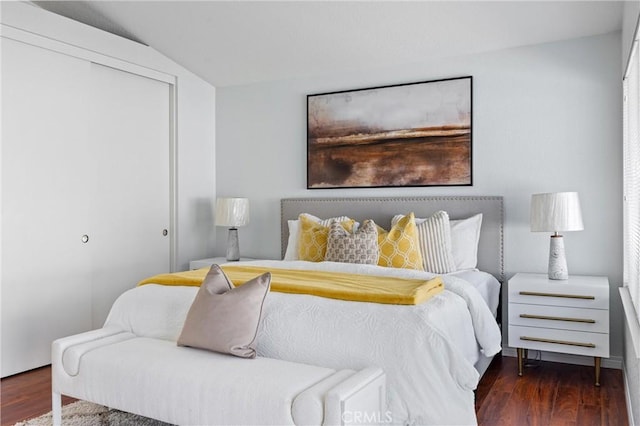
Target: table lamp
column 556, row 212
column 232, row 212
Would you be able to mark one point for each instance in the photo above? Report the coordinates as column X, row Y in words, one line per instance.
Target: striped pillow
column 434, row 238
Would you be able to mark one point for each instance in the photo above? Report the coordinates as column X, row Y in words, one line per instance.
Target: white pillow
column 434, row 238
column 292, row 245
column 465, row 235
column 294, row 233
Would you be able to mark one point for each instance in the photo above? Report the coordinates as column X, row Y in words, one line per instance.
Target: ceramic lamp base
column 557, row 260
column 233, row 245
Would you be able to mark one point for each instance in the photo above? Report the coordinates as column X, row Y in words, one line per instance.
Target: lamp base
column 233, row 245
column 557, row 260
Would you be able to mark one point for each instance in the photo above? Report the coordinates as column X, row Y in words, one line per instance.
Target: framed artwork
column 416, row 134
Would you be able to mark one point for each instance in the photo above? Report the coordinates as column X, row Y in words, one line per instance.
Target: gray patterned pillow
column 359, row 247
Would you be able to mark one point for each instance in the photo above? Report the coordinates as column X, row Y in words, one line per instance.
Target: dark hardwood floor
column 547, row 394
column 26, row 395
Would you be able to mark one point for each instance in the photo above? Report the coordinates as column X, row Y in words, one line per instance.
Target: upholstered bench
column 180, row 385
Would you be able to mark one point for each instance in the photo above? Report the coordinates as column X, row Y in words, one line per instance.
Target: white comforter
column 428, row 351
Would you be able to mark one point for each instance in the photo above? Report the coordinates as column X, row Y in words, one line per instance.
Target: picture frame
column 403, row 135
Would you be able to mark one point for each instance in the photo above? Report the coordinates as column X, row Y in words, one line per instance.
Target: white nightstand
column 203, row 263
column 569, row 316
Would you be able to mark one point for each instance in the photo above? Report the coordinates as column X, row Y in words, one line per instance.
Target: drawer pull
column 544, row 317
column 566, row 296
column 559, row 342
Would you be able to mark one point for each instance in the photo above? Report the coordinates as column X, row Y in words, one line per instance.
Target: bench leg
column 56, row 408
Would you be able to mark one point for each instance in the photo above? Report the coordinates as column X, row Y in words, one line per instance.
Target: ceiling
column 240, row 42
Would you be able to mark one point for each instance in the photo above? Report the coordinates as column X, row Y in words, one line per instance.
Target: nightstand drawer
column 578, row 319
column 565, row 341
column 579, row 292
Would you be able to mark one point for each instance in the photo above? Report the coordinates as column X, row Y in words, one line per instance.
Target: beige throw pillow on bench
column 224, row 318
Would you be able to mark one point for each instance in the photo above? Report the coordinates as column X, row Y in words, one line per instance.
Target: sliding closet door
column 129, row 131
column 46, row 291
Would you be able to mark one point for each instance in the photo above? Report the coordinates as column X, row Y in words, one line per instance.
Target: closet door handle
column 165, row 232
column 85, row 239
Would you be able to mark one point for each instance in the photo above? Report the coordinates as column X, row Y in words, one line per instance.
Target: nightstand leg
column 597, row 362
column 526, row 355
column 520, row 363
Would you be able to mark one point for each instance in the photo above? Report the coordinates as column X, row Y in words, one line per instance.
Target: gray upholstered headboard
column 381, row 210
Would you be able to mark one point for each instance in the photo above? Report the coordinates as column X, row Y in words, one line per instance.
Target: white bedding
column 486, row 284
column 428, row 351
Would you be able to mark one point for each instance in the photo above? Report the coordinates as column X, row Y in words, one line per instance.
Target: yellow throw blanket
column 333, row 285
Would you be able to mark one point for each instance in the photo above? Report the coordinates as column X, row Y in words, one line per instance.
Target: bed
column 490, row 262
column 433, row 353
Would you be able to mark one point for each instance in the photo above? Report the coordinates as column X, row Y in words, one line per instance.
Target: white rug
column 83, row 413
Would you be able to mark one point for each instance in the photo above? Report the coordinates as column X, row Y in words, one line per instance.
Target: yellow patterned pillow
column 400, row 247
column 312, row 245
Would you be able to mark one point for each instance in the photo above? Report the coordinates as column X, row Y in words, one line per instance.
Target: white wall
column 545, row 118
column 195, row 119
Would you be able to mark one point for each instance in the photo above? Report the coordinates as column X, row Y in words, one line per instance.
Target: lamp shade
column 232, row 212
column 555, row 212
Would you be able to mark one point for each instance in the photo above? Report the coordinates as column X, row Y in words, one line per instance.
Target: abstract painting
column 416, row 134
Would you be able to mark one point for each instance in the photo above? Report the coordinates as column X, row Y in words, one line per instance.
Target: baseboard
column 627, row 395
column 612, row 362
